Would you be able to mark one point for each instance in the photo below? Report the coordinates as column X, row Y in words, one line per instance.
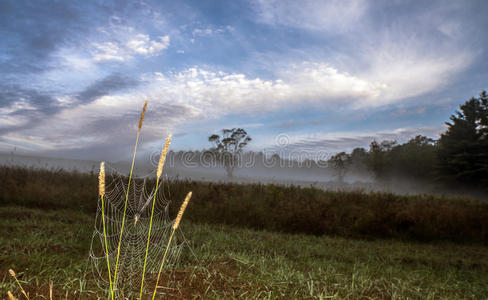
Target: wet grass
column 227, row 262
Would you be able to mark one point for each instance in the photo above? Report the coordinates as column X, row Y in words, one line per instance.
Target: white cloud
column 222, row 93
column 108, row 51
column 20, row 104
column 143, row 45
column 212, row 94
column 332, row 15
column 407, row 54
column 306, row 84
column 125, row 42
column 9, row 118
column 198, row 94
column 193, row 95
column 211, row 31
column 407, row 67
column 10, row 121
column 109, row 120
column 202, row 32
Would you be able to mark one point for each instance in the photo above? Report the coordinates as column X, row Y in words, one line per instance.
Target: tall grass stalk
column 12, row 273
column 141, row 119
column 175, row 226
column 51, row 288
column 101, row 192
column 162, row 159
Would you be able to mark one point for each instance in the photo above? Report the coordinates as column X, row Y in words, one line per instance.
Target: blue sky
column 327, row 75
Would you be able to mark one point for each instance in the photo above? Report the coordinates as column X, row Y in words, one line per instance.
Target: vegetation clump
column 275, row 207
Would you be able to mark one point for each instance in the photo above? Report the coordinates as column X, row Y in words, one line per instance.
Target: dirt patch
column 220, row 276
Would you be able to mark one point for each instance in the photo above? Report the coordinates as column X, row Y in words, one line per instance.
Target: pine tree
column 463, row 148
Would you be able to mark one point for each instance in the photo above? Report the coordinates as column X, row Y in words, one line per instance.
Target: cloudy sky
column 321, row 75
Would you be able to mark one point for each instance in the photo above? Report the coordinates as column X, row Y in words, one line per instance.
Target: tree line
column 459, row 158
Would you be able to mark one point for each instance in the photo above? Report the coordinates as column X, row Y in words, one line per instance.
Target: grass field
column 254, row 241
column 43, row 245
column 290, row 209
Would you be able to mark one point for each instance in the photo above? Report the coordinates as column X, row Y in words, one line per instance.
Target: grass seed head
column 141, row 119
column 101, row 179
column 10, row 296
column 162, row 158
column 182, row 210
column 12, row 273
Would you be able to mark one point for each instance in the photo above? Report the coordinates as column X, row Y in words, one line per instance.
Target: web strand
column 134, row 238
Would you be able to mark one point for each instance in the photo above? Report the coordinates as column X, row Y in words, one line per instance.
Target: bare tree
column 340, row 164
column 228, row 146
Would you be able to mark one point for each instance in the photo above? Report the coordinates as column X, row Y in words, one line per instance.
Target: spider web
column 134, row 237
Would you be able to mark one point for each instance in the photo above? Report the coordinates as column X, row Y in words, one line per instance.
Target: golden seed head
column 101, row 179
column 10, row 296
column 12, row 273
column 162, row 158
column 141, row 119
column 182, row 210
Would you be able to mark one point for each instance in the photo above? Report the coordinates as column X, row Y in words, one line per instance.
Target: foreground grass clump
column 290, row 209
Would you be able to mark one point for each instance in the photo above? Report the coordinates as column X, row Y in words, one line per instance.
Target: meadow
column 255, row 241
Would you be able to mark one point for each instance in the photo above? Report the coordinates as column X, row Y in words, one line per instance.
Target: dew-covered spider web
column 134, row 237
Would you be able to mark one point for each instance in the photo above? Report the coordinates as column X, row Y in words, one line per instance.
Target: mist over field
column 276, row 172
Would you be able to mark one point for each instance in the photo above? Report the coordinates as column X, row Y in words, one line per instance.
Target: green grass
column 227, row 262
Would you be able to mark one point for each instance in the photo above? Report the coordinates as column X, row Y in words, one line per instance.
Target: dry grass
column 101, row 192
column 141, row 119
column 301, row 210
column 159, row 172
column 162, row 158
column 175, row 226
column 12, row 273
column 101, row 180
column 10, row 296
column 181, row 211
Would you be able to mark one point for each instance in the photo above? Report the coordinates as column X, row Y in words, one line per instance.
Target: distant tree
column 340, row 164
column 379, row 159
column 359, row 158
column 415, row 159
column 463, row 148
column 228, row 147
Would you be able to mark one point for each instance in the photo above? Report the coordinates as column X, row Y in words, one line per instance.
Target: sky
column 302, row 75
